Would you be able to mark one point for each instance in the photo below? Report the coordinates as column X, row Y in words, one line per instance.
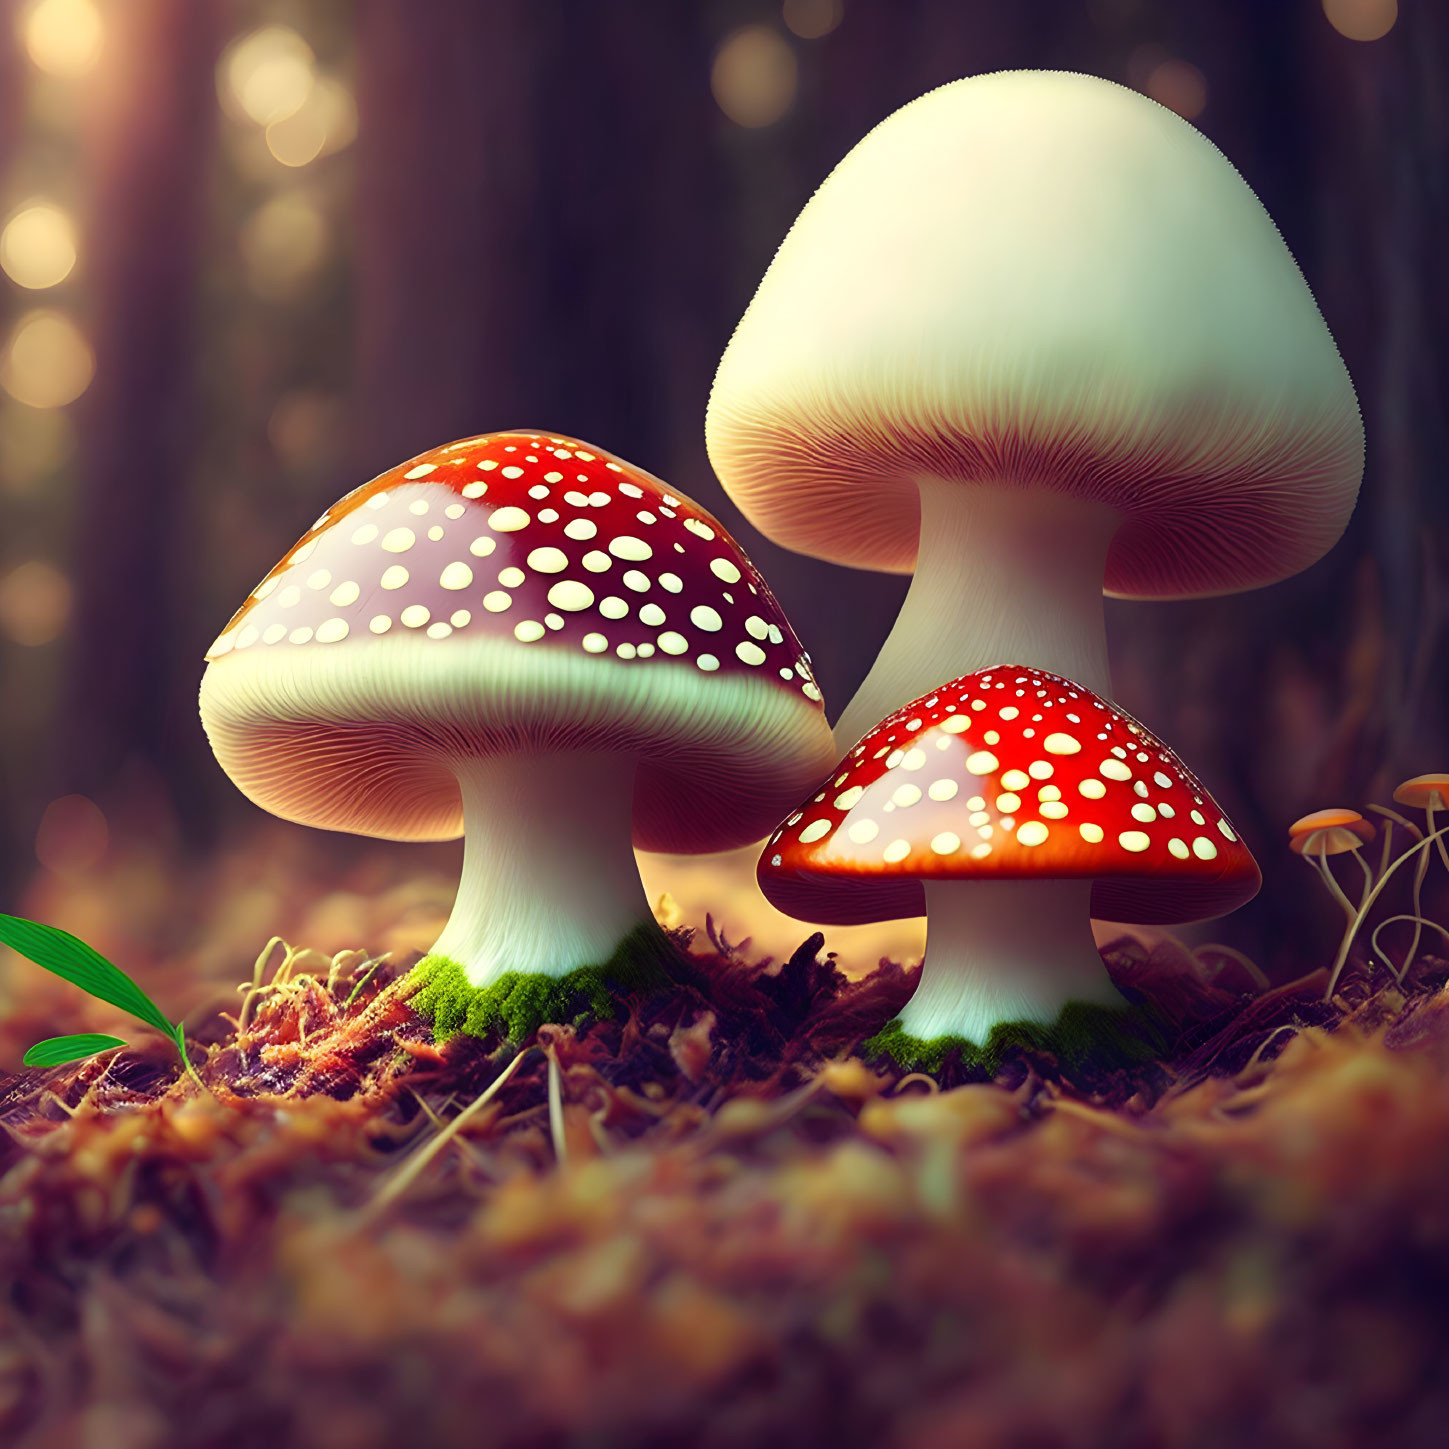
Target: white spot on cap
column 1145, row 813
column 1204, row 849
column 1009, row 711
column 670, row 642
column 1033, row 832
column 626, row 546
column 394, row 577
column 439, row 630
column 897, row 850
column 703, row 530
column 982, row 762
column 708, row 663
column 513, row 471
column 497, row 601
column 626, row 651
column 418, row 508
column 379, row 623
column 399, row 540
column 456, row 576
column 1060, row 744
column 300, row 636
column 267, row 585
column 946, row 843
column 957, row 724
column 320, row 579
column 454, row 510
column 862, row 832
column 756, row 627
column 289, row 596
column 330, row 631
column 581, row 529
column 475, row 490
column 1134, row 840
column 421, row 471
column 1114, row 770
column 672, row 582
column 548, row 560
column 652, row 615
column 345, row 594
column 460, row 618
column 613, row 607
column 722, row 568
column 365, row 534
column 1015, row 779
column 597, row 561
column 1178, row 848
column 482, row 547
column 378, row 500
column 943, row 789
column 750, row 653
column 1226, row 830
column 703, row 617
column 633, row 579
column 1163, row 781
column 1092, row 789
column 1053, row 810
column 415, row 616
column 528, row 631
column 816, row 830
column 507, row 520
column 1092, row 834
column 570, row 595
column 809, row 691
column 595, row 643
column 511, row 577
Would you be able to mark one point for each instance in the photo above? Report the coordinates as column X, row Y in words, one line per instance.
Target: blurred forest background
column 256, row 251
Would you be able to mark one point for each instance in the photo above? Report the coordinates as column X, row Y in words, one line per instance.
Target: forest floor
column 727, row 1230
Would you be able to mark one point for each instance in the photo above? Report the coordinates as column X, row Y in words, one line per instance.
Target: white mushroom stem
column 1005, row 951
column 549, row 879
column 1008, row 575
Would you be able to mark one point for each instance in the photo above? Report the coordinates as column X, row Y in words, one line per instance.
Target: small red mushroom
column 521, row 638
column 1026, row 805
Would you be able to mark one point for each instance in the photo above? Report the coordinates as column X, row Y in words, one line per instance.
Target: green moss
column 1084, row 1033
column 518, row 1003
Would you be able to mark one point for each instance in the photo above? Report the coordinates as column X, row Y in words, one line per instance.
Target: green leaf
column 55, row 1050
column 69, row 957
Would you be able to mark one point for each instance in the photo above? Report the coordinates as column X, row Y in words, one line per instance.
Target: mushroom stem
column 1005, row 951
column 1001, row 574
column 549, row 880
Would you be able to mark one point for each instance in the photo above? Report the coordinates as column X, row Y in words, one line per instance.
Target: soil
column 728, row 1230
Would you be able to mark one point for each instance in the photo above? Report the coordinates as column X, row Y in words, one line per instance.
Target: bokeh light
column 304, row 428
column 1180, row 86
column 265, row 76
column 47, row 363
column 72, row 836
column 34, row 443
column 755, row 76
column 810, row 19
column 34, row 603
column 1362, row 19
column 38, row 246
column 63, row 37
column 282, row 244
column 325, row 122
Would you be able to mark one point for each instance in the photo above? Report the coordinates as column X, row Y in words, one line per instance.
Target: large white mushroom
column 522, row 639
column 1034, row 338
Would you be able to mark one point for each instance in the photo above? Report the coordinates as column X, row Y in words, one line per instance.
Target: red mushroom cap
column 1007, row 774
column 515, row 590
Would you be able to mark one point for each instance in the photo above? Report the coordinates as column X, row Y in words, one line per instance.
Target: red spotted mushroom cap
column 515, row 590
column 1006, row 774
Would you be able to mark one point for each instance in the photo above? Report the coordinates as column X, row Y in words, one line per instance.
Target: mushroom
column 1026, row 804
column 523, row 639
column 1429, row 793
column 1334, row 832
column 1032, row 338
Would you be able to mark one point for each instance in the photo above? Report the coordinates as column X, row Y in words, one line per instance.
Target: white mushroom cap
column 1044, row 280
column 515, row 592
